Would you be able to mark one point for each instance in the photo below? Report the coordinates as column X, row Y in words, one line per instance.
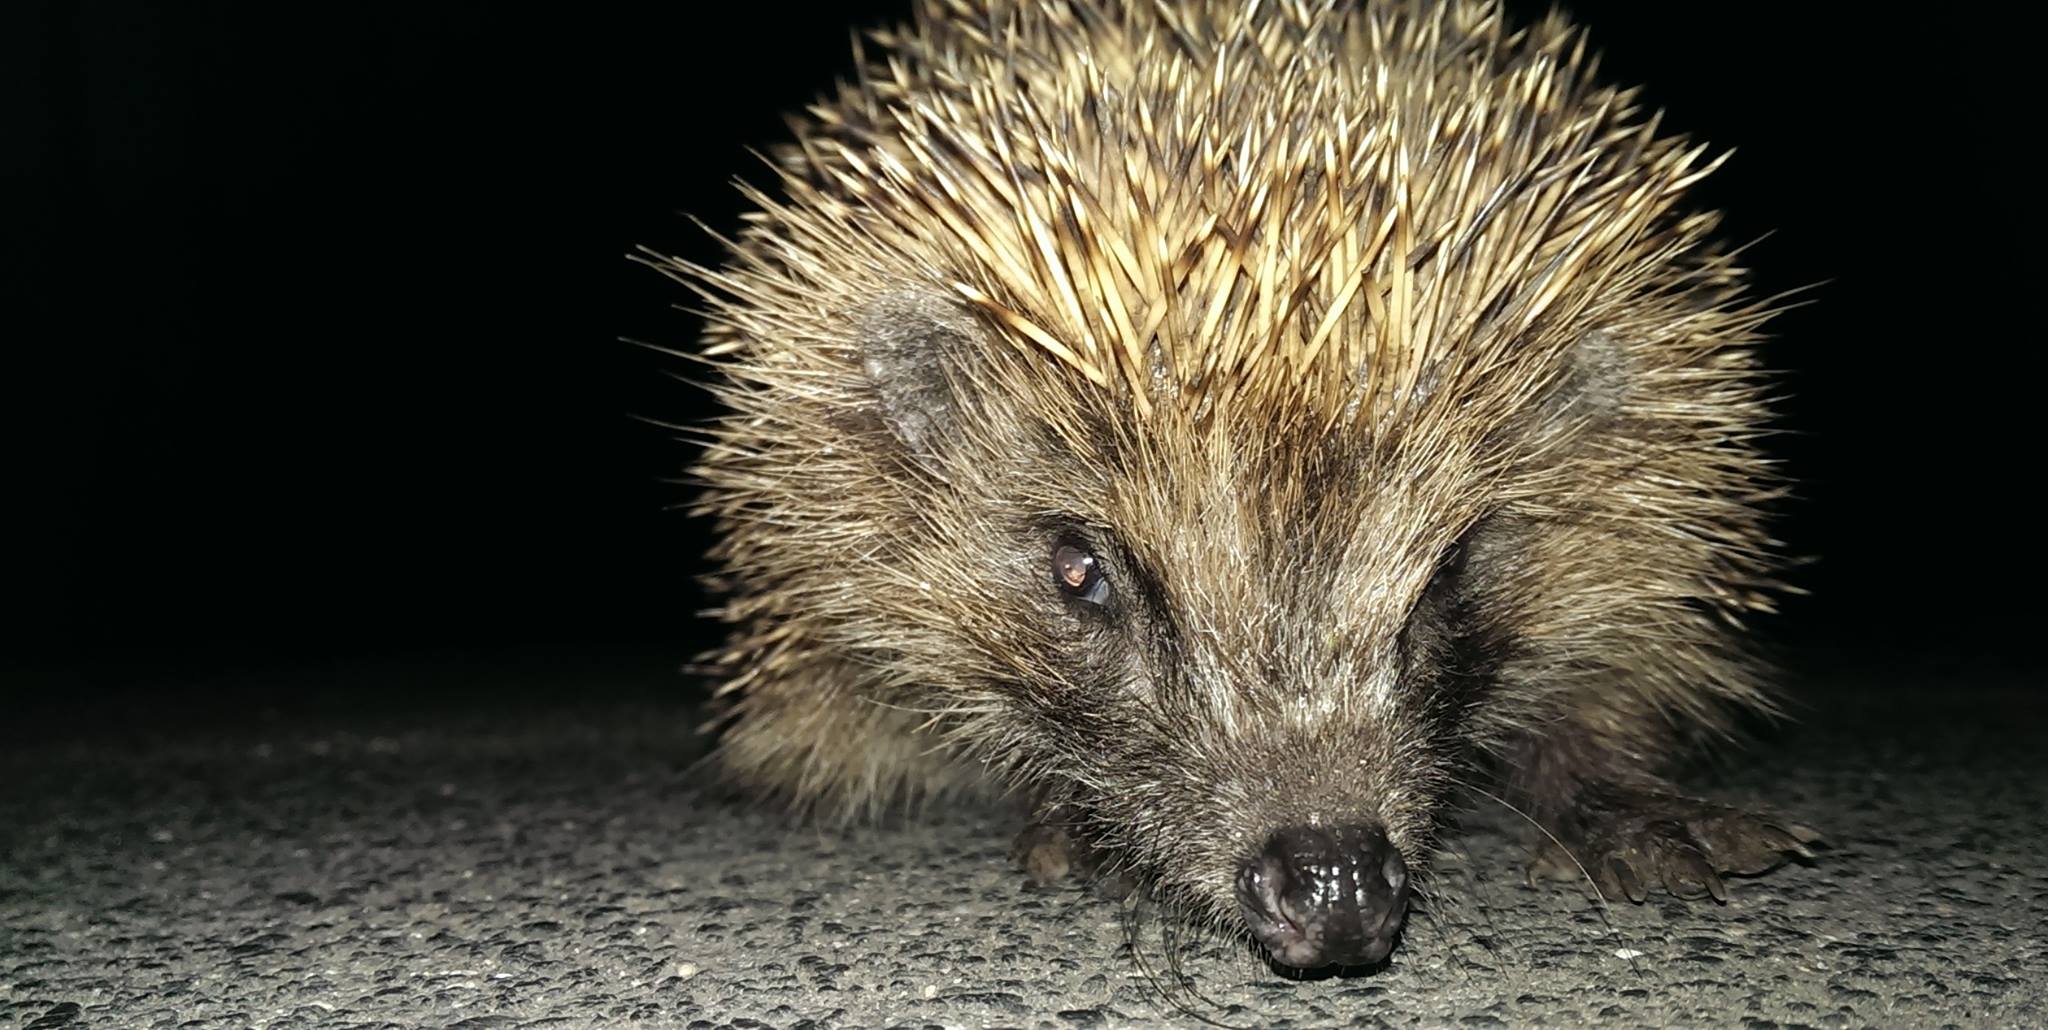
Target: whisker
column 1627, row 952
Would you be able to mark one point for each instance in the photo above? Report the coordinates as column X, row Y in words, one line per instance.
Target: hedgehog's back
column 1349, row 211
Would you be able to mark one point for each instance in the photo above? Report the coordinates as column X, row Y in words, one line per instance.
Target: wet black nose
column 1316, row 896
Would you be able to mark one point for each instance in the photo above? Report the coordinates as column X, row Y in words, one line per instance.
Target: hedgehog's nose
column 1316, row 897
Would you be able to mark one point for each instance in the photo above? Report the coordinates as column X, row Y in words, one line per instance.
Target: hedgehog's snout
column 1317, row 897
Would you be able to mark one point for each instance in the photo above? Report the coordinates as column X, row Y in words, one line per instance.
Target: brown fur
column 1369, row 347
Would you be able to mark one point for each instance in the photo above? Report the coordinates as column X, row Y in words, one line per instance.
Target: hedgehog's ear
column 914, row 348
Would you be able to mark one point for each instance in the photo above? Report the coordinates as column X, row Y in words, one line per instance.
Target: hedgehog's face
column 1240, row 652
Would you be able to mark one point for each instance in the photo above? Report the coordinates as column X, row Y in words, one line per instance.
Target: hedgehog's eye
column 1079, row 574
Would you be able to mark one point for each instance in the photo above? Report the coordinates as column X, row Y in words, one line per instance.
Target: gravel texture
column 408, row 855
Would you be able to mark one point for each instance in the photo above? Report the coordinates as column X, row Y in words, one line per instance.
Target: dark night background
column 314, row 318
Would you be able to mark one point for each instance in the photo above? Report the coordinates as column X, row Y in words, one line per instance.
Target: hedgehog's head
column 1240, row 646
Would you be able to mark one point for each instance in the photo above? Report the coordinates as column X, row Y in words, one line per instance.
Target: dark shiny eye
column 1079, row 574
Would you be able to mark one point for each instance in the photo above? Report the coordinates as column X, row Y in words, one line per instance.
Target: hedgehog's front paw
column 1628, row 841
column 1048, row 853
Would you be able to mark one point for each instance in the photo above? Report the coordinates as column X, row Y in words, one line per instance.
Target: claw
column 1777, row 838
column 1625, row 880
column 1807, row 836
column 1047, row 854
column 1680, row 872
column 1689, row 875
column 1782, row 840
column 1552, row 863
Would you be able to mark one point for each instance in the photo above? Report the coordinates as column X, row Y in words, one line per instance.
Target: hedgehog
column 1243, row 430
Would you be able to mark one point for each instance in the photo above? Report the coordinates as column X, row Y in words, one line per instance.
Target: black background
column 314, row 318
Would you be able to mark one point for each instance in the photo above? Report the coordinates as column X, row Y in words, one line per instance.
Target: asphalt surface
column 388, row 849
